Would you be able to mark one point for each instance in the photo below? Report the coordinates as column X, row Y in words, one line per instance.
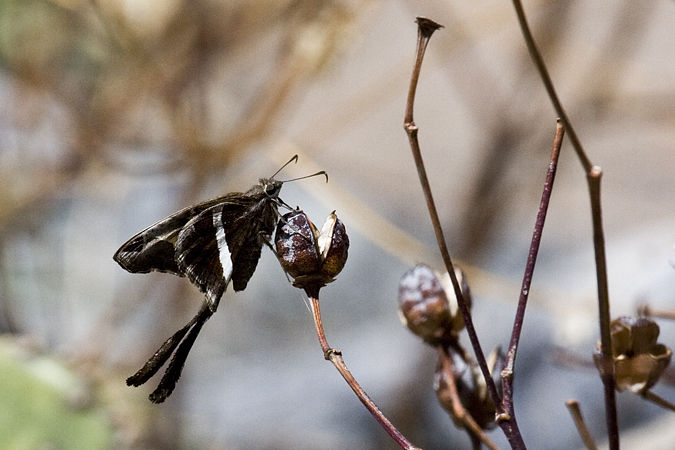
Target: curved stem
column 426, row 28
column 505, row 420
column 335, row 356
column 476, row 433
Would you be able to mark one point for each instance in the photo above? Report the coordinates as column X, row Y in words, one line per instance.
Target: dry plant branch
column 594, row 175
column 507, row 373
column 475, row 431
column 607, row 377
column 507, row 422
column 658, row 400
column 646, row 310
column 335, row 357
column 426, row 28
column 575, row 412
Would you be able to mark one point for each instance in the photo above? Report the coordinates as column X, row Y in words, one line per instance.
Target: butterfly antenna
column 294, row 159
column 323, row 172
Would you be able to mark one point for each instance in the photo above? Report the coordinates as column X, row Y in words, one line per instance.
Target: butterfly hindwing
column 203, row 253
column 245, row 247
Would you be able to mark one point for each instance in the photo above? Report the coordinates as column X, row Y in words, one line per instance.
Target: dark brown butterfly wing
column 212, row 243
column 153, row 249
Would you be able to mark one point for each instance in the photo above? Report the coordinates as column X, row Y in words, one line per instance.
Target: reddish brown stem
column 593, row 173
column 506, row 421
column 426, row 28
column 507, row 373
column 458, row 409
column 335, row 357
column 548, row 84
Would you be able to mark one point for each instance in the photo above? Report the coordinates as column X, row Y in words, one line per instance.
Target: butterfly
column 212, row 244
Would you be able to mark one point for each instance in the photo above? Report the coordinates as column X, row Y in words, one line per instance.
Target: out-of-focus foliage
column 43, row 404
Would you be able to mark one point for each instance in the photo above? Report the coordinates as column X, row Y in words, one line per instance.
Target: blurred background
column 116, row 113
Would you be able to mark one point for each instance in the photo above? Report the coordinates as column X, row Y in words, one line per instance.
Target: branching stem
column 507, row 422
column 476, row 432
column 593, row 174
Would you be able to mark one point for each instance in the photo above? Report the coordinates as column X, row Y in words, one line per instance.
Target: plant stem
column 647, row 311
column 593, row 174
column 507, row 373
column 507, row 422
column 575, row 412
column 662, row 402
column 335, row 356
column 459, row 412
column 548, row 84
column 603, row 305
column 426, row 28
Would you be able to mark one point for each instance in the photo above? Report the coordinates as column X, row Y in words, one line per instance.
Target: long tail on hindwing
column 173, row 371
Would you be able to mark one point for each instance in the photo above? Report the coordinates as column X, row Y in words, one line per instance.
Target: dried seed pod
column 424, row 306
column 637, row 358
column 457, row 318
column 333, row 244
column 307, row 254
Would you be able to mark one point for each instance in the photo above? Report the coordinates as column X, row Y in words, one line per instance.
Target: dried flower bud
column 470, row 386
column 424, row 307
column 637, row 358
column 307, row 254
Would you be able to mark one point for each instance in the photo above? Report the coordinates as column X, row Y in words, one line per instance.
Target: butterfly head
column 271, row 187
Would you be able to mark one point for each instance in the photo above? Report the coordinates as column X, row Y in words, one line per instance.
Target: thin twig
column 507, row 422
column 575, row 412
column 458, row 409
column 662, row 402
column 647, row 311
column 335, row 356
column 426, row 28
column 507, row 373
column 548, row 84
column 593, row 174
column 604, row 316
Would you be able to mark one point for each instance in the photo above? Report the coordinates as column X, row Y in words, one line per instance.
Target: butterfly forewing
column 203, row 252
column 153, row 249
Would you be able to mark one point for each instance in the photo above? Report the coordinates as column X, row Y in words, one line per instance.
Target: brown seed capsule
column 637, row 358
column 333, row 244
column 307, row 254
column 457, row 318
column 424, row 306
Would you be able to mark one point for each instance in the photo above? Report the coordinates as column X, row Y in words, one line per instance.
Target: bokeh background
column 116, row 113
